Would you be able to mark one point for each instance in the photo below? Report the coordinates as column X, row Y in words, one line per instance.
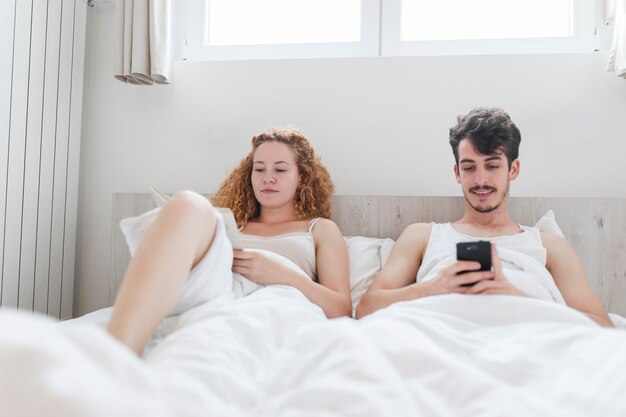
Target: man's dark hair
column 490, row 130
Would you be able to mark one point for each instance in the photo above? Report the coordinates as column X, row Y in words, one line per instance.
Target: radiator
column 41, row 76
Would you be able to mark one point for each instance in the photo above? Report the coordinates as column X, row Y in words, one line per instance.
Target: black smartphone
column 479, row 251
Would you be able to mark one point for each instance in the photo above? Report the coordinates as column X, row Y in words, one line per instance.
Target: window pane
column 266, row 22
column 427, row 20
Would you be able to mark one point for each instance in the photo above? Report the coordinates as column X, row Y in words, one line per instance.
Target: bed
column 274, row 354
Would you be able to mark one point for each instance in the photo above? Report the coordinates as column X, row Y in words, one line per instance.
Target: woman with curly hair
column 280, row 196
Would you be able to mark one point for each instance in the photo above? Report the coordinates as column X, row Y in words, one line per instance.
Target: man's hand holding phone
column 478, row 270
column 498, row 284
column 473, row 265
column 479, row 251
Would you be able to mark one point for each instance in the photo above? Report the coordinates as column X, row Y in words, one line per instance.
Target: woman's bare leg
column 178, row 239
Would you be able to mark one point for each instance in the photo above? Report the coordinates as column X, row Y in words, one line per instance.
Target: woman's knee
column 191, row 211
column 191, row 205
column 195, row 215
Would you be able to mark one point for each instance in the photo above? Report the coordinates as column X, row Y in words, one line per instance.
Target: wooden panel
column 124, row 205
column 377, row 216
column 595, row 227
column 585, row 223
column 610, row 267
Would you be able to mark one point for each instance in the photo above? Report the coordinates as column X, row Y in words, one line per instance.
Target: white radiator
column 41, row 77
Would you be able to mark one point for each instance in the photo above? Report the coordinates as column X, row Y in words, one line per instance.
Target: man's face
column 485, row 179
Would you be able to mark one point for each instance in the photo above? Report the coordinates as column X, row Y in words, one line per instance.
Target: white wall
column 380, row 125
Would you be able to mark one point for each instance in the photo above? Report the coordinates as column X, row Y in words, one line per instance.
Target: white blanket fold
column 531, row 277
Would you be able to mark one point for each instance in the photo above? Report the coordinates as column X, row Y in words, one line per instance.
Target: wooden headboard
column 596, row 227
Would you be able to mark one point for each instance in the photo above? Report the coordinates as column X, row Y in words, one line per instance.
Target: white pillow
column 365, row 262
column 385, row 251
column 134, row 228
column 547, row 223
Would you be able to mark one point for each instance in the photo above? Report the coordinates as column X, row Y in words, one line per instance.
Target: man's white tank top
column 299, row 247
column 441, row 252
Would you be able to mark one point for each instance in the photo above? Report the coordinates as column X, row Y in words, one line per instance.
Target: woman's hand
column 259, row 268
column 499, row 284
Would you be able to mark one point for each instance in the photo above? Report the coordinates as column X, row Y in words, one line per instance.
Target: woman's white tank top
column 299, row 247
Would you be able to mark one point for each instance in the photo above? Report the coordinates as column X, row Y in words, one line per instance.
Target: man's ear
column 514, row 171
column 456, row 173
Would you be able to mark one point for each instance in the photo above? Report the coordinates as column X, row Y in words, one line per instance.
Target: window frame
column 380, row 36
column 196, row 50
column 582, row 39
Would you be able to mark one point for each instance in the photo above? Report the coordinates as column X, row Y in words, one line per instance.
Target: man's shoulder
column 559, row 251
column 552, row 239
column 413, row 241
column 419, row 228
column 418, row 231
column 553, row 243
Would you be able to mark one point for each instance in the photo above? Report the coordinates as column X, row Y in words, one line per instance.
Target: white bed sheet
column 274, row 354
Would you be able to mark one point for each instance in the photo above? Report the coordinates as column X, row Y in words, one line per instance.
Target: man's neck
column 497, row 219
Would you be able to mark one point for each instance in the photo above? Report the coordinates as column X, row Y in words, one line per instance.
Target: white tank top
column 299, row 247
column 441, row 252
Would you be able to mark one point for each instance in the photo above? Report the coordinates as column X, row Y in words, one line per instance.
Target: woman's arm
column 332, row 293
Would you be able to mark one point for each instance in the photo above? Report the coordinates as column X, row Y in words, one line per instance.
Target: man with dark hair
column 489, row 130
column 423, row 263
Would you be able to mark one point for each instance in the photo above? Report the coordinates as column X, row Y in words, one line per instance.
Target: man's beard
column 487, row 209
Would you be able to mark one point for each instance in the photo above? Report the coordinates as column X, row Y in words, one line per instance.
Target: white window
column 464, row 27
column 249, row 29
column 262, row 29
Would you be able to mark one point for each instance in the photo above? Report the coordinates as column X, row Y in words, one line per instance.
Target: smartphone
column 479, row 251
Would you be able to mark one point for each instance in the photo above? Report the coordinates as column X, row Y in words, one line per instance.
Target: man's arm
column 569, row 275
column 396, row 281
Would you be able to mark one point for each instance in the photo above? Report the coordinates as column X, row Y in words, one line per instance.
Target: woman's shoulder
column 322, row 226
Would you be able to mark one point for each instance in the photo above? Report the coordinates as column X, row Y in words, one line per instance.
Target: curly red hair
column 313, row 193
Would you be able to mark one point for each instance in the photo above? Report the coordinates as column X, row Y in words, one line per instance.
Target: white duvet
column 274, row 354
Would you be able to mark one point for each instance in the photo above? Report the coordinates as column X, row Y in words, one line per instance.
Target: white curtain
column 617, row 55
column 143, row 41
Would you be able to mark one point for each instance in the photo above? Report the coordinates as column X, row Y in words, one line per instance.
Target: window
column 262, row 29
column 248, row 29
column 272, row 22
column 463, row 27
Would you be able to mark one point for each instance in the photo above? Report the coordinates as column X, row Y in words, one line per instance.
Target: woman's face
column 275, row 175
